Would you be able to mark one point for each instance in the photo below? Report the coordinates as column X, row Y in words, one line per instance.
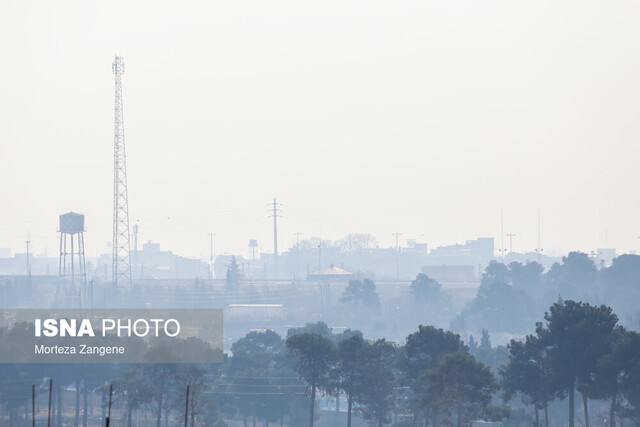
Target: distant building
column 469, row 259
column 38, row 264
column 482, row 248
column 331, row 274
column 604, row 257
column 153, row 263
column 391, row 263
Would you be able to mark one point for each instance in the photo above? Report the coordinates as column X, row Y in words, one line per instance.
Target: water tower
column 72, row 261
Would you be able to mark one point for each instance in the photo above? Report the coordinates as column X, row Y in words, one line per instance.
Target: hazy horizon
column 427, row 119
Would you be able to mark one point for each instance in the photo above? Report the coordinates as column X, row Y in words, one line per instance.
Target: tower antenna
column 121, row 270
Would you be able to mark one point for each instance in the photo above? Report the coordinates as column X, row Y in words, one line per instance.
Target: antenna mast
column 121, row 272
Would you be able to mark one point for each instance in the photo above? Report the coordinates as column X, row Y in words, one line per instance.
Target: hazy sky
column 429, row 118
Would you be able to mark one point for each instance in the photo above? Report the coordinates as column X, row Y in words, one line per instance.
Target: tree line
column 512, row 296
column 431, row 379
column 578, row 347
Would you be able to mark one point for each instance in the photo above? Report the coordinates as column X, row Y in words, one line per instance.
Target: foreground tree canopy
column 432, row 379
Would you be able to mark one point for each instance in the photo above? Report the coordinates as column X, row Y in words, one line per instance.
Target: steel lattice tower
column 121, row 272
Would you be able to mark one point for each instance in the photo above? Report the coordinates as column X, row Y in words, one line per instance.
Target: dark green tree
column 423, row 351
column 259, row 346
column 624, row 272
column 161, row 377
column 499, row 307
column 462, row 387
column 472, row 344
column 620, row 282
column 132, row 391
column 378, row 382
column 526, row 276
column 576, row 275
column 576, row 336
column 527, row 373
column 361, row 292
column 345, row 334
column 348, row 373
column 485, row 341
column 233, row 274
column 493, row 357
column 630, row 381
column 191, row 375
column 496, row 272
column 618, row 372
column 258, row 363
column 314, row 356
column 423, row 287
column 319, row 328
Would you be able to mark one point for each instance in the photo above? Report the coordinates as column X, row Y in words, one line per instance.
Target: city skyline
column 288, row 242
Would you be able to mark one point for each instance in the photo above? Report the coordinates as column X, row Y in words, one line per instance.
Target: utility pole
column 511, row 236
column 134, row 258
column 297, row 234
column 186, row 408
column 28, row 266
column 397, row 235
column 121, row 268
column 33, row 405
column 502, row 236
column 109, row 410
column 397, row 254
column 539, row 249
column 211, row 234
column 49, row 410
column 274, row 214
column 135, row 237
